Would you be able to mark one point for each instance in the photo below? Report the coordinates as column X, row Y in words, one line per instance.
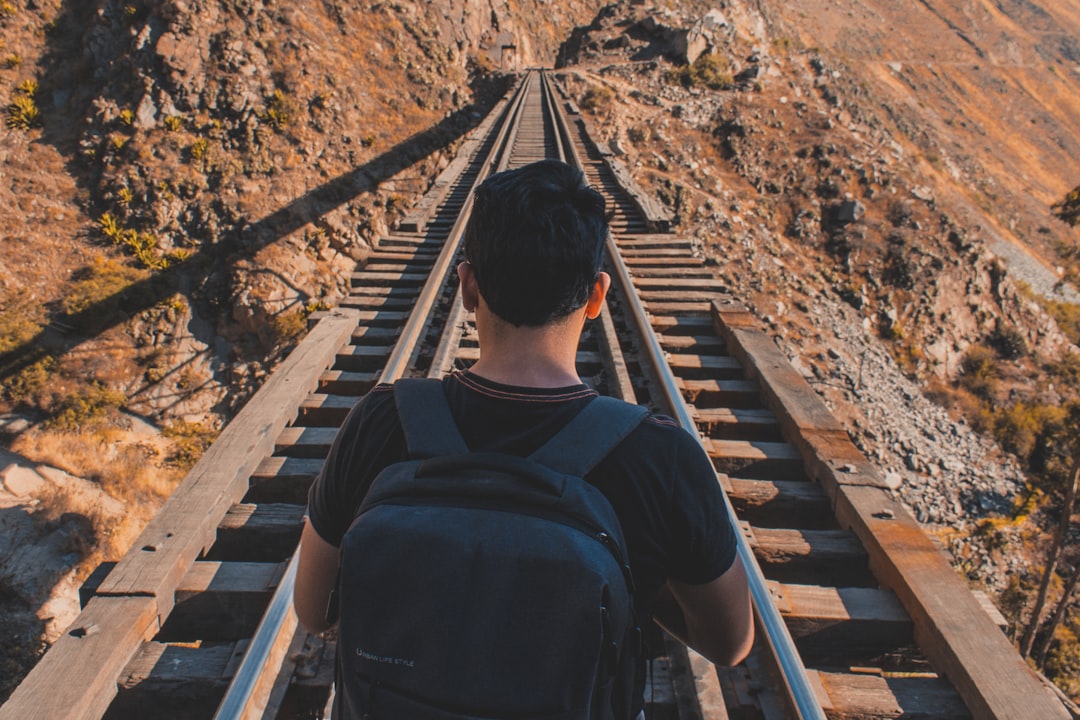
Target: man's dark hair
column 535, row 240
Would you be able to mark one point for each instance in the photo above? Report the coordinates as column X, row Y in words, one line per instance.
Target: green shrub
column 1067, row 316
column 979, row 371
column 22, row 113
column 199, row 148
column 20, row 320
column 190, row 441
column 28, row 385
column 280, row 110
column 97, row 286
column 597, row 98
column 710, row 70
column 85, row 407
column 1025, row 428
column 174, row 123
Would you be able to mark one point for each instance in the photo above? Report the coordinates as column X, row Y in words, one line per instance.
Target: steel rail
column 243, row 699
column 800, row 693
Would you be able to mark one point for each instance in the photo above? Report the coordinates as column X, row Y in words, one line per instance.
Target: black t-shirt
column 659, row 481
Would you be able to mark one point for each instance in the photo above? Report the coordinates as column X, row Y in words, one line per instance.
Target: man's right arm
column 316, row 576
column 714, row 618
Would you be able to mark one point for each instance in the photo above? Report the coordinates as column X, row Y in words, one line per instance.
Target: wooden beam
column 951, row 628
column 76, row 679
column 218, row 601
column 267, row 532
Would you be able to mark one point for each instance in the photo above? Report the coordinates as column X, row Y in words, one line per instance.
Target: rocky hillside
column 186, row 180
column 896, row 237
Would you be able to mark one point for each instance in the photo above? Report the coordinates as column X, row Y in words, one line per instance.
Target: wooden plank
column 678, row 260
column 667, row 303
column 841, row 626
column 793, row 503
column 324, row 409
column 952, row 630
column 737, row 423
column 174, row 682
column 187, row 523
column 751, row 450
column 283, row 480
column 267, row 532
column 310, row 442
column 679, row 283
column 683, row 361
column 347, row 382
column 832, row 557
column 654, row 241
column 221, row 601
column 691, row 342
column 688, row 272
column 365, row 278
column 76, row 679
column 857, row 697
column 730, row 393
column 830, row 456
column 682, row 324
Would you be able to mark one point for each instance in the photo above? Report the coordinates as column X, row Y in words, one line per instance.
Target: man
column 533, row 246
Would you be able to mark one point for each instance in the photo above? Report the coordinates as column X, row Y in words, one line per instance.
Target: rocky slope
column 183, row 182
column 201, row 174
column 882, row 245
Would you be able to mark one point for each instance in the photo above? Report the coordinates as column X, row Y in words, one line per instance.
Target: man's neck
column 543, row 357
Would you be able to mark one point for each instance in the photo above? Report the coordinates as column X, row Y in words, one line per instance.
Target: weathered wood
column 729, row 393
column 859, row 697
column 347, row 382
column 365, row 278
column 665, row 303
column 674, row 325
column 685, row 361
column 790, row 502
column 843, row 625
column 187, row 523
column 951, row 628
column 654, row 242
column 678, row 261
column 219, row 601
column 679, row 283
column 326, row 410
column 833, row 557
column 691, row 342
column 737, row 423
column 76, row 679
column 175, row 682
column 267, row 532
column 309, row 442
column 830, row 456
column 721, row 449
column 689, row 272
column 283, row 480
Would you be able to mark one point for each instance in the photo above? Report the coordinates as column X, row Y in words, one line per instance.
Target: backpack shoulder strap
column 590, row 436
column 430, row 430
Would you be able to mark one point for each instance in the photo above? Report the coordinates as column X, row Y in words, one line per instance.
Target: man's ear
column 470, row 293
column 595, row 302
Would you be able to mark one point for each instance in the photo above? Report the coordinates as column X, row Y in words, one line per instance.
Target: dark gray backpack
column 486, row 585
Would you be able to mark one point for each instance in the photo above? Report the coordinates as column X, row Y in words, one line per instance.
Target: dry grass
column 133, row 472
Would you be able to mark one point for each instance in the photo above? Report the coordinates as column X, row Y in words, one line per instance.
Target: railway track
column 859, row 615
